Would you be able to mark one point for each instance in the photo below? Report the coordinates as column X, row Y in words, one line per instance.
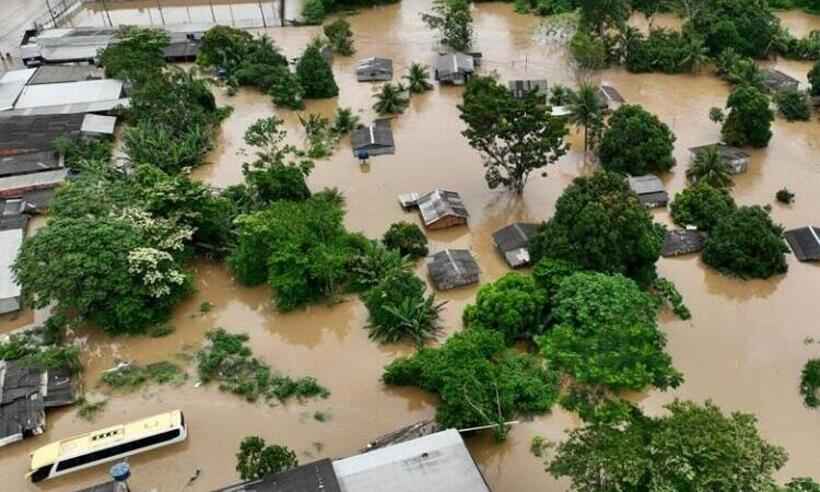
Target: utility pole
column 262, row 13
column 213, row 15
column 161, row 15
column 282, row 12
column 107, row 13
column 51, row 12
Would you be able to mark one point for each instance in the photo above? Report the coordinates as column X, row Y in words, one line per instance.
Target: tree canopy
column 750, row 118
column 701, row 206
column 407, row 238
column 454, row 23
column 256, row 458
column 637, row 143
column 514, row 136
column 513, row 305
column 747, row 26
column 137, row 54
column 315, row 75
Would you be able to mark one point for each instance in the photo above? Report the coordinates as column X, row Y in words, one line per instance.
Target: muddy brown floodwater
column 743, row 349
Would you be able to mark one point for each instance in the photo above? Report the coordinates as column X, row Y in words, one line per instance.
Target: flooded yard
column 743, row 348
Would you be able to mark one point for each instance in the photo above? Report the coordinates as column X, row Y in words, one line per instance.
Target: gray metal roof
column 776, row 80
column 374, row 68
column 805, row 242
column 378, row 134
column 609, row 93
column 27, row 134
column 682, row 242
column 647, row 184
column 453, row 268
column 95, row 124
column 87, row 91
column 318, row 476
column 441, row 203
column 438, row 462
column 451, row 64
column 92, row 107
column 513, row 242
column 54, row 74
column 29, row 163
column 11, row 85
column 725, row 151
column 520, row 88
column 45, row 179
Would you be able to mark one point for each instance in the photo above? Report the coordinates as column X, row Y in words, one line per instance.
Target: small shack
column 682, row 242
column 454, row 68
column 777, row 81
column 609, row 98
column 513, row 242
column 441, row 209
column 805, row 242
column 735, row 158
column 452, row 268
column 521, row 88
column 374, row 69
column 95, row 125
column 376, row 139
column 650, row 190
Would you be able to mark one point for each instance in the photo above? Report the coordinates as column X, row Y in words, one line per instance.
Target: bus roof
column 91, row 441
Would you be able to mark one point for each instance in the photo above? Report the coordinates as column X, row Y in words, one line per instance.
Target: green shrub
column 784, row 196
column 398, row 309
column 701, row 206
column 513, row 305
column 750, row 118
column 810, row 383
column 315, row 75
column 256, row 459
column 340, row 37
column 793, row 104
column 636, row 143
column 407, row 238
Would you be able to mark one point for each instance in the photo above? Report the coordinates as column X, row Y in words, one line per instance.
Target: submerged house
column 609, row 98
column 735, row 158
column 374, row 69
column 454, row 68
column 513, row 242
column 441, row 209
column 682, row 242
column 520, row 88
column 777, row 81
column 650, row 190
column 805, row 242
column 376, row 139
column 452, row 268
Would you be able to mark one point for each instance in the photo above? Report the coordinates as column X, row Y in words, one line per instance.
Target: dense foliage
column 784, row 196
column 391, row 99
column 664, row 51
column 257, row 459
column 514, row 136
column 407, row 238
column 694, row 447
column 747, row 26
column 810, row 383
column 814, row 79
column 136, row 55
column 315, row 75
column 709, row 168
column 793, row 104
column 600, row 225
column 418, row 79
column 701, row 206
column 604, row 333
column 636, row 143
column 478, row 379
column 750, row 118
column 453, row 21
column 340, row 37
column 513, row 305
column 746, row 243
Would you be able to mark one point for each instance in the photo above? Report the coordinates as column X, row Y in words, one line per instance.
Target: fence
column 238, row 13
column 57, row 11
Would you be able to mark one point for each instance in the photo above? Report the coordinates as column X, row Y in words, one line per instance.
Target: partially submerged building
column 26, row 391
column 513, row 242
column 60, row 89
column 650, row 190
column 777, row 81
column 438, row 462
column 682, row 242
column 374, row 69
column 375, row 139
column 521, row 88
column 441, row 209
column 454, row 68
column 609, row 98
column 735, row 158
column 453, row 268
column 12, row 233
column 805, row 242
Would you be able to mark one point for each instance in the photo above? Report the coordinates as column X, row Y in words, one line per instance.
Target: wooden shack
column 513, row 242
column 682, row 242
column 441, row 209
column 453, row 268
column 374, row 69
column 650, row 190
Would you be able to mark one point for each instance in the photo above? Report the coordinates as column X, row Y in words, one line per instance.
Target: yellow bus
column 105, row 445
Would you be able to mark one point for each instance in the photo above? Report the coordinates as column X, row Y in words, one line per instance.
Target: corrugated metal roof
column 451, row 64
column 453, row 268
column 46, row 179
column 318, row 476
column 438, row 462
column 11, row 85
column 515, row 236
column 87, row 91
column 379, row 134
column 92, row 107
column 28, row 163
column 99, row 125
column 643, row 185
column 682, row 242
column 805, row 242
column 610, row 93
column 27, row 134
column 520, row 88
column 441, row 203
column 55, row 74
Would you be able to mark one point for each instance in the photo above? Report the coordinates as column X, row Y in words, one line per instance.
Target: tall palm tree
column 709, row 168
column 417, row 79
column 391, row 99
column 585, row 111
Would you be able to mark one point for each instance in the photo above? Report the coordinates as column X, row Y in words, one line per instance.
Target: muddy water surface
column 744, row 348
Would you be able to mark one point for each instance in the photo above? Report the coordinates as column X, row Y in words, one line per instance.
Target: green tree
column 407, row 238
column 750, row 118
column 600, row 225
column 588, row 51
column 600, row 15
column 418, row 79
column 479, row 380
column 604, row 333
column 585, row 107
column 454, row 23
column 549, row 273
column 748, row 27
column 793, row 104
column 637, row 143
column 391, row 99
column 513, row 305
column 814, row 79
column 313, row 12
column 709, row 168
column 315, row 75
column 694, row 447
column 340, row 36
column 256, row 458
column 514, row 136
column 701, row 206
column 802, row 484
column 137, row 54
column 747, row 244
column 810, row 383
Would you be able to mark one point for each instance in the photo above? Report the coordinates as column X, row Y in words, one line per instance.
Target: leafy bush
column 746, row 243
column 407, row 238
column 549, row 273
column 750, row 28
column 398, row 309
column 138, row 54
column 810, row 383
column 513, row 305
column 637, row 143
column 588, row 51
column 78, row 150
column 479, row 381
column 391, row 99
column 373, row 264
column 750, row 119
column 605, row 333
column 701, row 206
column 664, row 51
column 802, row 484
column 668, row 293
column 784, row 196
column 340, row 37
column 814, row 79
column 315, row 75
column 313, row 12
column 793, row 104
column 453, row 22
column 133, row 376
column 256, row 459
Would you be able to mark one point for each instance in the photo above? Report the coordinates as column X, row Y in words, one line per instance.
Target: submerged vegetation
column 810, row 383
column 257, row 459
column 129, row 377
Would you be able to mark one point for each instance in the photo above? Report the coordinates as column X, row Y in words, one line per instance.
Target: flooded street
column 744, row 347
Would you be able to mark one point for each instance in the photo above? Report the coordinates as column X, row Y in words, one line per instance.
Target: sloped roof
column 453, row 268
column 379, row 133
column 54, row 74
column 726, row 151
column 375, row 63
column 453, row 63
column 27, row 134
column 318, row 476
column 75, row 108
column 437, row 462
column 441, row 203
column 682, row 242
column 776, row 80
column 11, row 86
column 647, row 184
column 515, row 236
column 805, row 242
column 610, row 93
column 34, row 162
column 87, row 91
column 520, row 88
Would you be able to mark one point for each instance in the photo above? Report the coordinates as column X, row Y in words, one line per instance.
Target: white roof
column 43, row 179
column 96, row 124
column 92, row 107
column 435, row 463
column 11, row 85
column 10, row 242
column 66, row 53
column 85, row 91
